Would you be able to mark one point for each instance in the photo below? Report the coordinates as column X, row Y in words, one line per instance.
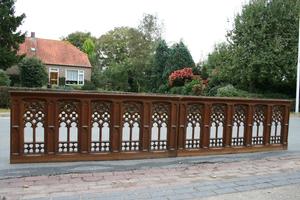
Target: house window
column 53, row 76
column 75, row 77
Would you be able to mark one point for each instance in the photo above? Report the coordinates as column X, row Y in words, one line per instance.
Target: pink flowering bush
column 178, row 77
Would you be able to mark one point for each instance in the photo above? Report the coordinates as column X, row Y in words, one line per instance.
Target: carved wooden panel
column 277, row 120
column 34, row 123
column 259, row 117
column 131, row 126
column 160, row 121
column 194, row 125
column 217, row 120
column 68, row 126
column 238, row 125
column 100, row 125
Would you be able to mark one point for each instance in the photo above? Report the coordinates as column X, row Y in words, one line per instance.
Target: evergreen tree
column 9, row 38
column 180, row 57
column 160, row 59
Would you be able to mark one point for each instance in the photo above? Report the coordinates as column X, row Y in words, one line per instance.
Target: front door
column 53, row 76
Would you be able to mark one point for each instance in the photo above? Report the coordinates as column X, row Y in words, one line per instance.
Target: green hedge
column 4, row 97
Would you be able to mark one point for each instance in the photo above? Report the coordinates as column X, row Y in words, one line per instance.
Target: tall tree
column 78, row 38
column 264, row 40
column 179, row 57
column 125, row 49
column 10, row 38
column 220, row 62
column 151, row 27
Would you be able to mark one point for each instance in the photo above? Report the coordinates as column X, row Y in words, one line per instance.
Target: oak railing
column 50, row 126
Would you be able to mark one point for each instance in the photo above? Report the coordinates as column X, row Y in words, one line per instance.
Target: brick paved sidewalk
column 191, row 181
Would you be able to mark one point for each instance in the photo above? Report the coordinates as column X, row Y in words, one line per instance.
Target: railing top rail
column 25, row 92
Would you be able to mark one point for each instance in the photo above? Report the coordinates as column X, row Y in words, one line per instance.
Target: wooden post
column 286, row 119
column 205, row 137
column 146, row 133
column 267, row 125
column 172, row 137
column 248, row 126
column 228, row 126
column 50, row 129
column 15, row 126
column 116, row 140
column 84, row 124
column 182, row 125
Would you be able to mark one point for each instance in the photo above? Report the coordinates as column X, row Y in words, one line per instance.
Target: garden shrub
column 178, row 77
column 193, row 87
column 230, row 91
column 177, row 90
column 88, row 85
column 62, row 81
column 4, row 79
column 32, row 73
column 164, row 88
column 14, row 75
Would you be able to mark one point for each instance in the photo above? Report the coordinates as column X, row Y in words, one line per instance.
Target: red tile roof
column 54, row 52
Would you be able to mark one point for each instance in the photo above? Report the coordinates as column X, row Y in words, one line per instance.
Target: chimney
column 32, row 34
column 33, row 45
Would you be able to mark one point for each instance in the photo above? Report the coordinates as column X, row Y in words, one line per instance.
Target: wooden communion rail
column 49, row 126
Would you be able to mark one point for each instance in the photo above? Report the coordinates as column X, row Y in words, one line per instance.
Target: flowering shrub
column 179, row 76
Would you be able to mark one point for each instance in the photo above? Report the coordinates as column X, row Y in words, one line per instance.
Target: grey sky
column 199, row 23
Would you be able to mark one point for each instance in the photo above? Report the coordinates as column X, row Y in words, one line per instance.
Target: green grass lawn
column 4, row 110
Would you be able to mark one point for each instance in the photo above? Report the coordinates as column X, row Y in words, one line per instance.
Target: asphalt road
column 19, row 170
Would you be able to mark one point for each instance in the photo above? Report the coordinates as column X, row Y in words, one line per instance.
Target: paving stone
column 263, row 185
column 225, row 190
column 206, row 187
column 205, row 193
column 280, row 182
column 184, row 190
column 245, row 188
column 181, row 196
column 226, row 185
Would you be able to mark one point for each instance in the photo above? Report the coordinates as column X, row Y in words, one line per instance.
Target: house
column 63, row 61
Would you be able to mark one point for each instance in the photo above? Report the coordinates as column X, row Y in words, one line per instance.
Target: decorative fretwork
column 194, row 124
column 68, row 146
column 34, row 121
column 100, row 126
column 68, row 126
column 277, row 117
column 258, row 124
column 217, row 119
column 160, row 118
column 238, row 122
column 131, row 126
